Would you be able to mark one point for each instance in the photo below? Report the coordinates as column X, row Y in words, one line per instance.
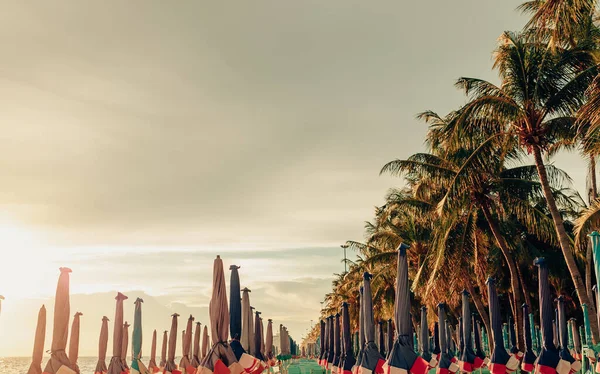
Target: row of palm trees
column 483, row 198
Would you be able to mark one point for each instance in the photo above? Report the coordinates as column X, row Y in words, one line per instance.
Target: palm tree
column 541, row 89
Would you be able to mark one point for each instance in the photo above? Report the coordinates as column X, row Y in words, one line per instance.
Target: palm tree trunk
column 563, row 239
column 593, row 195
column 480, row 309
column 514, row 276
column 525, row 289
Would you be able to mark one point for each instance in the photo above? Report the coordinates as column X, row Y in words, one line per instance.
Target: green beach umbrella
column 38, row 344
column 137, row 366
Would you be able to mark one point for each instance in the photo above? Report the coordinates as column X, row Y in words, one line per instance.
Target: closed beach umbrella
column 163, row 351
column 564, row 353
column 186, row 361
column 528, row 356
column 381, row 338
column 445, row 364
column 349, row 360
column 321, row 342
column 337, row 344
column 477, row 339
column 235, row 313
column 102, row 347
column 125, row 345
column 330, row 343
column 74, row 341
column 60, row 330
column 116, row 364
column 548, row 358
column 469, row 361
column 372, row 361
column 361, row 331
column 196, row 349
column 500, row 360
column 38, row 344
column 436, row 341
column 136, row 340
column 220, row 358
column 152, row 363
column 576, row 339
column 262, row 340
column 170, row 366
column 390, row 336
column 257, row 340
column 403, row 357
column 246, row 320
column 1, row 298
column 513, row 339
column 269, row 343
column 251, row 332
column 424, row 340
column 325, row 353
column 205, row 342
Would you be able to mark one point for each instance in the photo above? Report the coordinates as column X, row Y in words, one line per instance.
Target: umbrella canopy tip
column 126, row 324
column 2, row 297
column 65, row 270
column 198, row 323
column 423, row 307
column 465, row 292
column 138, row 300
column 539, row 261
column 246, row 289
column 234, row 267
column 105, row 318
column 218, row 257
column 78, row 314
column 120, row 296
column 367, row 275
column 191, row 318
column 175, row 315
column 270, row 320
column 490, row 280
column 403, row 247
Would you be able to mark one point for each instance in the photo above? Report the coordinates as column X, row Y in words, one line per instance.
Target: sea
column 20, row 365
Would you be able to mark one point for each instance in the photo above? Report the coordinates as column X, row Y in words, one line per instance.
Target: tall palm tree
column 541, row 89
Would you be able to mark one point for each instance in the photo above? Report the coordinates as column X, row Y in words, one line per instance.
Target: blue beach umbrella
column 372, row 361
column 469, row 361
column 528, row 356
column 500, row 360
column 548, row 358
column 349, row 361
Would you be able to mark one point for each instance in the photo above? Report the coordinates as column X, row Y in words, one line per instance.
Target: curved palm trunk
column 514, row 275
column 593, row 195
column 525, row 289
column 564, row 241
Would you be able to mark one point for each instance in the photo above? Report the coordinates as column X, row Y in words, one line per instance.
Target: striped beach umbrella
column 445, row 364
column 220, row 358
column 163, row 351
column 349, row 361
column 424, row 340
column 74, row 341
column 527, row 364
column 403, row 357
column 564, row 353
column 196, row 349
column 469, row 360
column 479, row 353
column 337, row 344
column 38, row 344
column 125, row 345
column 186, row 360
column 137, row 366
column 548, row 358
column 372, row 361
column 60, row 330
column 500, row 360
column 170, row 366
column 152, row 366
column 361, row 331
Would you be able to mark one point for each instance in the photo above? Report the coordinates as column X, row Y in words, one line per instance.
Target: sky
column 142, row 138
